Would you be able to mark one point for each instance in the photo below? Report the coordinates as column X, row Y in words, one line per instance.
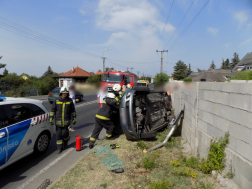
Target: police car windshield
column 112, row 78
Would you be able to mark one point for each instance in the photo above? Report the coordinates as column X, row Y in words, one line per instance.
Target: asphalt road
column 31, row 171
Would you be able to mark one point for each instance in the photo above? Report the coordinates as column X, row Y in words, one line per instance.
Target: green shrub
column 142, row 145
column 187, row 80
column 183, row 171
column 104, row 185
column 161, row 184
column 193, row 163
column 208, row 185
column 149, row 163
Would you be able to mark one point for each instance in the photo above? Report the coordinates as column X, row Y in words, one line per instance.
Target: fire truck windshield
column 112, row 78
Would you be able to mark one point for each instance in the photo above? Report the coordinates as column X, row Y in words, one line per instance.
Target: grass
column 163, row 168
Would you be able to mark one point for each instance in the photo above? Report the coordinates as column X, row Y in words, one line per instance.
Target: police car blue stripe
column 16, row 135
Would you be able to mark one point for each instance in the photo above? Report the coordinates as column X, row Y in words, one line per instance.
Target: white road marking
column 87, row 103
column 45, row 169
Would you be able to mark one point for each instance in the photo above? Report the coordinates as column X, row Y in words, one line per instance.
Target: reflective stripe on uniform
column 63, row 112
column 67, row 102
column 58, row 102
column 66, row 138
column 102, row 117
column 104, row 102
column 117, row 101
column 108, row 135
column 51, row 114
column 59, row 142
column 92, row 139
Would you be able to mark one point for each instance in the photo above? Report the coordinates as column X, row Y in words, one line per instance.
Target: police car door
column 3, row 139
column 18, row 120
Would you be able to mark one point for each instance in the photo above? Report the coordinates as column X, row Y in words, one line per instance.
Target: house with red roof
column 99, row 72
column 75, row 75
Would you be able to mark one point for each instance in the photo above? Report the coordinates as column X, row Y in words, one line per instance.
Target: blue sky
column 132, row 29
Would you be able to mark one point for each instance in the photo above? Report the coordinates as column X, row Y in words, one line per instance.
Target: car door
column 3, row 139
column 17, row 120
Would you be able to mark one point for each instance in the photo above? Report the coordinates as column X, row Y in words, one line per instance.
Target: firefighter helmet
column 64, row 90
column 129, row 86
column 117, row 87
column 110, row 95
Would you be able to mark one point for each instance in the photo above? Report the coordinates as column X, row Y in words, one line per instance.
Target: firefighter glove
column 51, row 121
column 74, row 121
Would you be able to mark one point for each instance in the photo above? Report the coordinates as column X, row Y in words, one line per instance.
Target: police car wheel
column 42, row 143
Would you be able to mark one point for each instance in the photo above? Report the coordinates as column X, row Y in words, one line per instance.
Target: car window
column 15, row 113
column 56, row 90
column 2, row 115
column 36, row 111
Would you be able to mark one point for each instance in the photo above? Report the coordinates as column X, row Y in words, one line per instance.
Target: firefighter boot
column 65, row 144
column 59, row 146
column 109, row 137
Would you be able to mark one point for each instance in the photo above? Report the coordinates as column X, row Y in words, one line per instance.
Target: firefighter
column 62, row 109
column 103, row 116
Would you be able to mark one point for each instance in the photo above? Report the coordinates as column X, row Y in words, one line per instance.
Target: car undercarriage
column 143, row 112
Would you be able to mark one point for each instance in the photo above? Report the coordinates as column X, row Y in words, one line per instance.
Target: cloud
column 212, row 31
column 128, row 15
column 245, row 42
column 241, row 16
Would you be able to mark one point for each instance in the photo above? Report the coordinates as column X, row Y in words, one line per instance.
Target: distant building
column 75, row 75
column 99, row 72
column 211, row 75
column 245, row 63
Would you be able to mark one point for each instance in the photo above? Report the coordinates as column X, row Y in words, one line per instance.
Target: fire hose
column 173, row 125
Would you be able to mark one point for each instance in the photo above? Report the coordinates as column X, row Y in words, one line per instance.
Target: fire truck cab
column 110, row 78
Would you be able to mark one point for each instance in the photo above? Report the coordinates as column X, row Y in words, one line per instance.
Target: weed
column 193, row 163
column 138, row 165
column 230, row 174
column 142, row 145
column 155, row 154
column 171, row 143
column 175, row 163
column 216, row 155
column 185, row 172
column 208, row 185
column 149, row 163
column 104, row 185
column 161, row 184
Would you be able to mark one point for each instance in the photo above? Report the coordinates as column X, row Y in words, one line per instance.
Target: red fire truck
column 110, row 78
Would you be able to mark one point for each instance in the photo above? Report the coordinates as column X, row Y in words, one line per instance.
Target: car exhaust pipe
column 173, row 126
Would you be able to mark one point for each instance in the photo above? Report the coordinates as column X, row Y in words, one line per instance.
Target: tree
column 235, row 60
column 161, row 78
column 227, row 65
column 223, row 64
column 189, row 70
column 48, row 72
column 199, row 70
column 212, row 66
column 95, row 80
column 5, row 72
column 107, row 69
column 243, row 75
column 180, row 70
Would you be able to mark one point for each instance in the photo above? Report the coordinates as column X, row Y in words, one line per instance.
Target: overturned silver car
column 143, row 112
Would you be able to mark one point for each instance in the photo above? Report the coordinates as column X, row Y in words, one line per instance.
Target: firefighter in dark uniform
column 62, row 109
column 102, row 118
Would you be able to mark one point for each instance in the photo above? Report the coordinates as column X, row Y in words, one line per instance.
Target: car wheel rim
column 43, row 143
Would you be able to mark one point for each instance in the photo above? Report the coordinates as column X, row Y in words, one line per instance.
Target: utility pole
column 137, row 73
column 103, row 58
column 161, row 68
column 127, row 69
column 131, row 69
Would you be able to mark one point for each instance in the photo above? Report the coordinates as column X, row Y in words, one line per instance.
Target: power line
column 180, row 23
column 176, row 41
column 165, row 23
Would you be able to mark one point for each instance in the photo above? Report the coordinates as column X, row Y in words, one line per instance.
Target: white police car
column 24, row 129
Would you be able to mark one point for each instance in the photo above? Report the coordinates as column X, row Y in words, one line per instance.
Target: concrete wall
column 211, row 109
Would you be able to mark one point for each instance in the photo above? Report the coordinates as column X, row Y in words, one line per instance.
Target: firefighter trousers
column 62, row 135
column 99, row 125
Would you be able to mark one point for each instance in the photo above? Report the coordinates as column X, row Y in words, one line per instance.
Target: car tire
column 51, row 102
column 81, row 99
column 42, row 143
